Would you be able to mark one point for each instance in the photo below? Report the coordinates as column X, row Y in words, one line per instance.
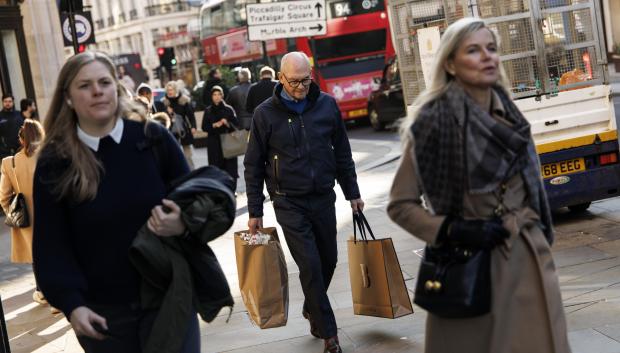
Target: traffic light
column 166, row 57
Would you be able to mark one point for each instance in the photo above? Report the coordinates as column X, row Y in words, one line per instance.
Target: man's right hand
column 254, row 224
column 83, row 320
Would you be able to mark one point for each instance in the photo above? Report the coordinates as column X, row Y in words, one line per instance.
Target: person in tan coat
column 469, row 176
column 18, row 178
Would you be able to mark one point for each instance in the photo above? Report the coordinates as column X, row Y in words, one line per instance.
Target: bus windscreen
column 351, row 45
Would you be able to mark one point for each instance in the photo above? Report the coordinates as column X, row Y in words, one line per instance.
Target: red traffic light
column 160, row 51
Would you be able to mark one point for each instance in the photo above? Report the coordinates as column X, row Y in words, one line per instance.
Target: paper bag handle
column 357, row 225
column 360, row 222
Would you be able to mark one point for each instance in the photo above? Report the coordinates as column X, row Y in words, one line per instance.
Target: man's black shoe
column 314, row 331
column 332, row 345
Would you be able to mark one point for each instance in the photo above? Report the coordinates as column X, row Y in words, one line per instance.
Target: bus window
column 349, row 45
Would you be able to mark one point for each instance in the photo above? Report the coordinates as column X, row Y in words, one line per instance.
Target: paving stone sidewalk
column 586, row 252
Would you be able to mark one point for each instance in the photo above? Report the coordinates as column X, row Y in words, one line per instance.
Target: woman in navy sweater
column 94, row 187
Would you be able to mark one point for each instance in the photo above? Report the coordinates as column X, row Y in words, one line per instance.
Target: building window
column 155, row 36
column 128, row 47
column 161, row 9
column 116, row 46
column 12, row 55
column 138, row 43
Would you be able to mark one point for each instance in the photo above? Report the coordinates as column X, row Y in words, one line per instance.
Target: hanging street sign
column 83, row 28
column 286, row 19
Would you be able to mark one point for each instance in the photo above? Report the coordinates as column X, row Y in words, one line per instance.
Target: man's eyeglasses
column 295, row 83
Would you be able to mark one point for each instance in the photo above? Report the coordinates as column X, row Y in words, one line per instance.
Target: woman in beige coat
column 19, row 179
column 469, row 175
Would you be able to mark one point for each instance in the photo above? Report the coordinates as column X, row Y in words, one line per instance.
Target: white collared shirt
column 93, row 142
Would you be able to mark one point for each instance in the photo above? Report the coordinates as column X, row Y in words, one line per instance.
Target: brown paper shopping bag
column 377, row 282
column 263, row 280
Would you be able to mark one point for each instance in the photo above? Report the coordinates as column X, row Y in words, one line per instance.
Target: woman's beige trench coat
column 527, row 315
column 21, row 238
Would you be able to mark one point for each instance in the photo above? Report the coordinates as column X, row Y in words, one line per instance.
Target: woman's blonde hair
column 80, row 180
column 451, row 40
column 31, row 135
column 174, row 86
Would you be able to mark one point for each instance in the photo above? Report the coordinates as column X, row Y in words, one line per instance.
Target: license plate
column 564, row 167
column 358, row 112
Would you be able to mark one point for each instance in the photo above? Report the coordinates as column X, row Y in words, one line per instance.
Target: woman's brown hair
column 80, row 180
column 30, row 136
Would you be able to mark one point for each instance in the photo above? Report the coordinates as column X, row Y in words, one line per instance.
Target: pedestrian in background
column 94, row 188
column 181, row 105
column 126, row 79
column 214, row 78
column 238, row 95
column 144, row 96
column 469, row 154
column 299, row 147
column 220, row 118
column 261, row 90
column 17, row 176
column 28, row 109
column 10, row 123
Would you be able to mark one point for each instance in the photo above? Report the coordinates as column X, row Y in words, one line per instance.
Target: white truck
column 554, row 55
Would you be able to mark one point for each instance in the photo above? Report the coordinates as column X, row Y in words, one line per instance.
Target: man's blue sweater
column 81, row 250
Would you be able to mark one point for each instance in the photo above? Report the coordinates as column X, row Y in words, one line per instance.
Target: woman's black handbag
column 454, row 282
column 17, row 215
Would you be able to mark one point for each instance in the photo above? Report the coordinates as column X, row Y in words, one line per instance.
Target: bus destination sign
column 287, row 19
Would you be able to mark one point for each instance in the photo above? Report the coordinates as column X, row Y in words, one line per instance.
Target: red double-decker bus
column 348, row 60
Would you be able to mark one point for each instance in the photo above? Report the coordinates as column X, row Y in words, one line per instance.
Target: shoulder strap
column 154, row 140
column 14, row 174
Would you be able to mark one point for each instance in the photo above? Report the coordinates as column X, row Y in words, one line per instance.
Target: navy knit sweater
column 81, row 250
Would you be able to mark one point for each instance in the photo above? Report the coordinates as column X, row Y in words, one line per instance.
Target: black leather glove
column 475, row 233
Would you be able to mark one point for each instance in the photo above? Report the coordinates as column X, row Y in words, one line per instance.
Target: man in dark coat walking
column 10, row 123
column 299, row 147
column 214, row 78
column 261, row 90
column 237, row 97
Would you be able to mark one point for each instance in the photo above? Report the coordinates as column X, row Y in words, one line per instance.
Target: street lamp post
column 69, row 6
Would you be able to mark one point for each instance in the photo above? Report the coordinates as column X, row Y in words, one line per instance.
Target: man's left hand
column 357, row 205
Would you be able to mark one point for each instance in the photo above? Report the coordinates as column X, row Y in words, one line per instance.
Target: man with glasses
column 299, row 147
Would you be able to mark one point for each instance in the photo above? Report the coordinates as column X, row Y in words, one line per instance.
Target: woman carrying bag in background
column 469, row 179
column 17, row 177
column 220, row 118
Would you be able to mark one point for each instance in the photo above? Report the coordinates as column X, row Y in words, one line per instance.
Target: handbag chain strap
column 15, row 175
